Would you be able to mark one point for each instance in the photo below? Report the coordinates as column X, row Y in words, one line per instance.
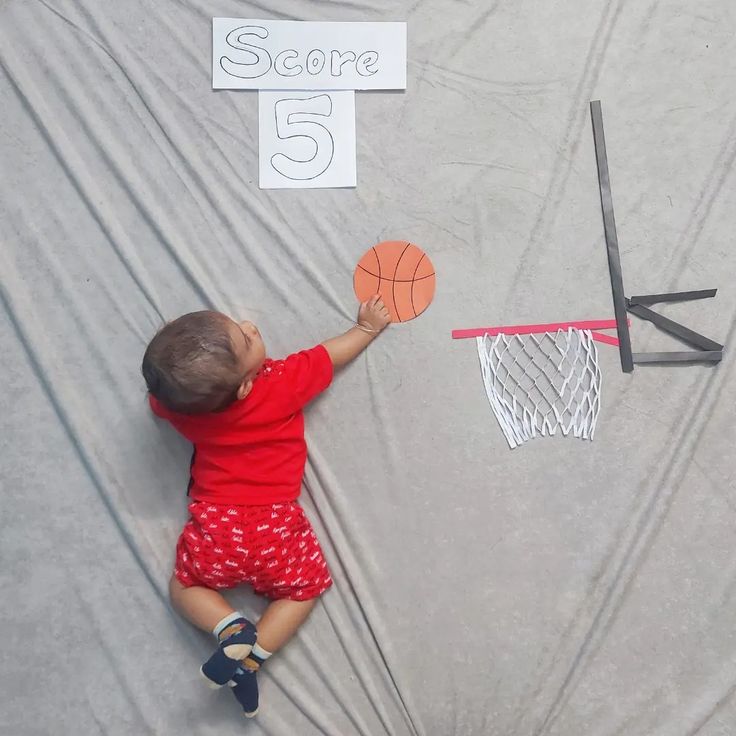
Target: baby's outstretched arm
column 373, row 317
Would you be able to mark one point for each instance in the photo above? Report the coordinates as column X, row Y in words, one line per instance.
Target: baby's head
column 203, row 362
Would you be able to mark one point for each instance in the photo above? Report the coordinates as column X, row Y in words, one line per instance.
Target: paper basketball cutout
column 401, row 273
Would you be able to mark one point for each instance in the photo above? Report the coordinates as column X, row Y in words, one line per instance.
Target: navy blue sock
column 245, row 689
column 236, row 637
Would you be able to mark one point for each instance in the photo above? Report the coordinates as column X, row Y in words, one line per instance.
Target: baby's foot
column 236, row 642
column 245, row 689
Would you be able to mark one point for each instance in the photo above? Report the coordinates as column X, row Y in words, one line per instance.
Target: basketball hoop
column 539, row 382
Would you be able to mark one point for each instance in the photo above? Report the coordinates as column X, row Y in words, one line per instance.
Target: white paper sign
column 306, row 140
column 286, row 54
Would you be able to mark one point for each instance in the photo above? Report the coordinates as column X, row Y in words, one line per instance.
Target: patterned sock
column 236, row 636
column 245, row 689
column 259, row 654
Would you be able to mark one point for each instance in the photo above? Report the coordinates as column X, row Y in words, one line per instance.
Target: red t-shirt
column 254, row 452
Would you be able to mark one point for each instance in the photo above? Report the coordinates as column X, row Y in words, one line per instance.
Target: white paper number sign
column 306, row 139
column 285, row 54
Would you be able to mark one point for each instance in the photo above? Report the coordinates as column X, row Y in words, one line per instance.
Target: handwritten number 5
column 303, row 118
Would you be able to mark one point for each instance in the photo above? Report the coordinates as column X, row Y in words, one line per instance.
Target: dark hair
column 191, row 366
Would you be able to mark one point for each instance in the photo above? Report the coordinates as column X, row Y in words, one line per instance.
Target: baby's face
column 249, row 346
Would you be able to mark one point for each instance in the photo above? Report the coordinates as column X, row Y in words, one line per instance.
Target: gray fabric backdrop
column 565, row 588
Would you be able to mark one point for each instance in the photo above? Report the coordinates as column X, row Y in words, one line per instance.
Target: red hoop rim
column 592, row 324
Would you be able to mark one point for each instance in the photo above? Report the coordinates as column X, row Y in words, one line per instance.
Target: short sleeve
column 307, row 374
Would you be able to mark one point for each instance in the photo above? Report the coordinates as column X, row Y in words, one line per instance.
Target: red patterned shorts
column 272, row 548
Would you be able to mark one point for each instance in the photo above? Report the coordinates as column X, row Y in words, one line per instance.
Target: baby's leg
column 200, row 606
column 296, row 568
column 277, row 625
column 208, row 610
column 280, row 622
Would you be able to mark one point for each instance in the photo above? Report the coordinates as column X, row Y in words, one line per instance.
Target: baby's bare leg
column 205, row 608
column 280, row 622
column 200, row 606
column 208, row 610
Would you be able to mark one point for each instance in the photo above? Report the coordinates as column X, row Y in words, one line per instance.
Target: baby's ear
column 245, row 388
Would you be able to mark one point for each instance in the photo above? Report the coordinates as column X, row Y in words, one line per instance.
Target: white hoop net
column 537, row 383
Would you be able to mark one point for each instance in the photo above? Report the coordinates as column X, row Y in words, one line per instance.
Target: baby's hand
column 373, row 314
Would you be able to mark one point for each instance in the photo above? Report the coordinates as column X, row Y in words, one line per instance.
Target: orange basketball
column 401, row 273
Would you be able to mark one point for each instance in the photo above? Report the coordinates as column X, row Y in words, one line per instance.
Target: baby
column 210, row 377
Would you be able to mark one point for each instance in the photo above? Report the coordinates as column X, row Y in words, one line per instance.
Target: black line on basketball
column 411, row 292
column 378, row 261
column 393, row 284
column 398, row 281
